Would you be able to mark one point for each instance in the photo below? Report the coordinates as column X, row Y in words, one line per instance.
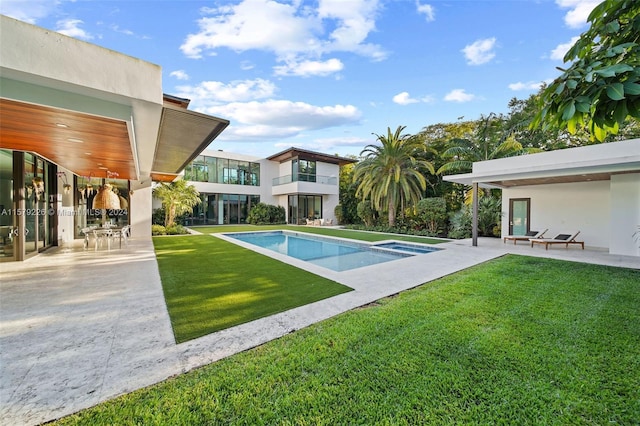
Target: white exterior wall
column 65, row 208
column 140, row 212
column 565, row 209
column 625, row 214
column 327, row 169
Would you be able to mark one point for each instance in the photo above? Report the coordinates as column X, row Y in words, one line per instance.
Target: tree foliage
column 348, row 201
column 490, row 140
column 601, row 88
column 177, row 198
column 391, row 173
column 264, row 214
column 432, row 212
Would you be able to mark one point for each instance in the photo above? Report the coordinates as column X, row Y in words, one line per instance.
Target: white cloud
column 480, row 51
column 294, row 32
column 309, row 68
column 71, row 28
column 180, row 75
column 353, row 21
column 285, row 113
column 327, row 144
column 27, row 10
column 210, row 93
column 117, row 29
column 428, row 11
column 529, row 85
column 247, row 65
column 280, row 118
column 558, row 53
column 404, row 99
column 580, row 10
column 459, row 95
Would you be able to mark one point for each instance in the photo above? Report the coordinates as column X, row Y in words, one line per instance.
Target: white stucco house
column 305, row 183
column 593, row 189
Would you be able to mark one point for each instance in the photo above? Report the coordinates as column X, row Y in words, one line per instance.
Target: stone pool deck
column 80, row 327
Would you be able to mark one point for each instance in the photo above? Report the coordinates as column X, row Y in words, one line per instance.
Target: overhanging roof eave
column 182, row 136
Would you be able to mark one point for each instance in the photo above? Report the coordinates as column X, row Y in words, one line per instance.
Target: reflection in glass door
column 293, row 209
column 7, row 207
column 519, row 209
column 33, row 187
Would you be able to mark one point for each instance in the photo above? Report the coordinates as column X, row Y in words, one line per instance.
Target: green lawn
column 518, row 340
column 332, row 232
column 210, row 284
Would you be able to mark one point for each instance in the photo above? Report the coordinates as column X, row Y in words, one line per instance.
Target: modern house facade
column 82, row 125
column 305, row 183
column 592, row 189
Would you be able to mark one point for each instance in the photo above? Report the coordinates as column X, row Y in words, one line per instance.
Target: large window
column 303, row 207
column 223, row 170
column 28, row 204
column 303, row 170
column 219, row 209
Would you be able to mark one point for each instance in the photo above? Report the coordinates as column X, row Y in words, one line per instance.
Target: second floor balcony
column 305, row 184
column 304, row 177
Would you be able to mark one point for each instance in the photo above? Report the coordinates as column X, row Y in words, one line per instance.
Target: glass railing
column 304, row 177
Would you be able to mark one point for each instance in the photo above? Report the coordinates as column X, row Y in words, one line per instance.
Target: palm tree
column 177, row 198
column 391, row 173
column 491, row 141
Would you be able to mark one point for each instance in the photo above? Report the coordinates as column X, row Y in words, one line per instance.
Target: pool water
column 409, row 248
column 330, row 253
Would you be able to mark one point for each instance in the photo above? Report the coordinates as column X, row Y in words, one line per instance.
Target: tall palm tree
column 391, row 173
column 177, row 198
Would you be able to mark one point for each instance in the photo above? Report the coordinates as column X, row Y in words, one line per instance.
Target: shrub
column 489, row 214
column 366, row 212
column 339, row 214
column 176, row 229
column 158, row 230
column 432, row 215
column 158, row 215
column 461, row 223
column 265, row 214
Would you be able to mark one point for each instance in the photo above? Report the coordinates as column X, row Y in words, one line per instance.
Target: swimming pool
column 331, row 253
column 409, row 248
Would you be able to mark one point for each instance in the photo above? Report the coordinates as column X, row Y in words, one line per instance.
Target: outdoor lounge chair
column 565, row 239
column 526, row 237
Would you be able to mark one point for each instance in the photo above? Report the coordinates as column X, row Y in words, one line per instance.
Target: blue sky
column 326, row 75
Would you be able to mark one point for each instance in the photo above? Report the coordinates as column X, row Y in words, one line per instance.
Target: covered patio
column 592, row 189
column 95, row 122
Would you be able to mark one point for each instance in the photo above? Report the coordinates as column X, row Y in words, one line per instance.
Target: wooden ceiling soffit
column 83, row 143
column 163, row 177
column 182, row 136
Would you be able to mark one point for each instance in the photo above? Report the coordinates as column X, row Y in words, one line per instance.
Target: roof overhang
column 582, row 164
column 183, row 135
column 86, row 144
column 291, row 153
column 97, row 111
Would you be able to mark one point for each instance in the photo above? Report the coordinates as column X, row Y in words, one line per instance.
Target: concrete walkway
column 80, row 327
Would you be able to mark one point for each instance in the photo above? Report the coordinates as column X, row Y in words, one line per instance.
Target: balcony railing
column 303, row 177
